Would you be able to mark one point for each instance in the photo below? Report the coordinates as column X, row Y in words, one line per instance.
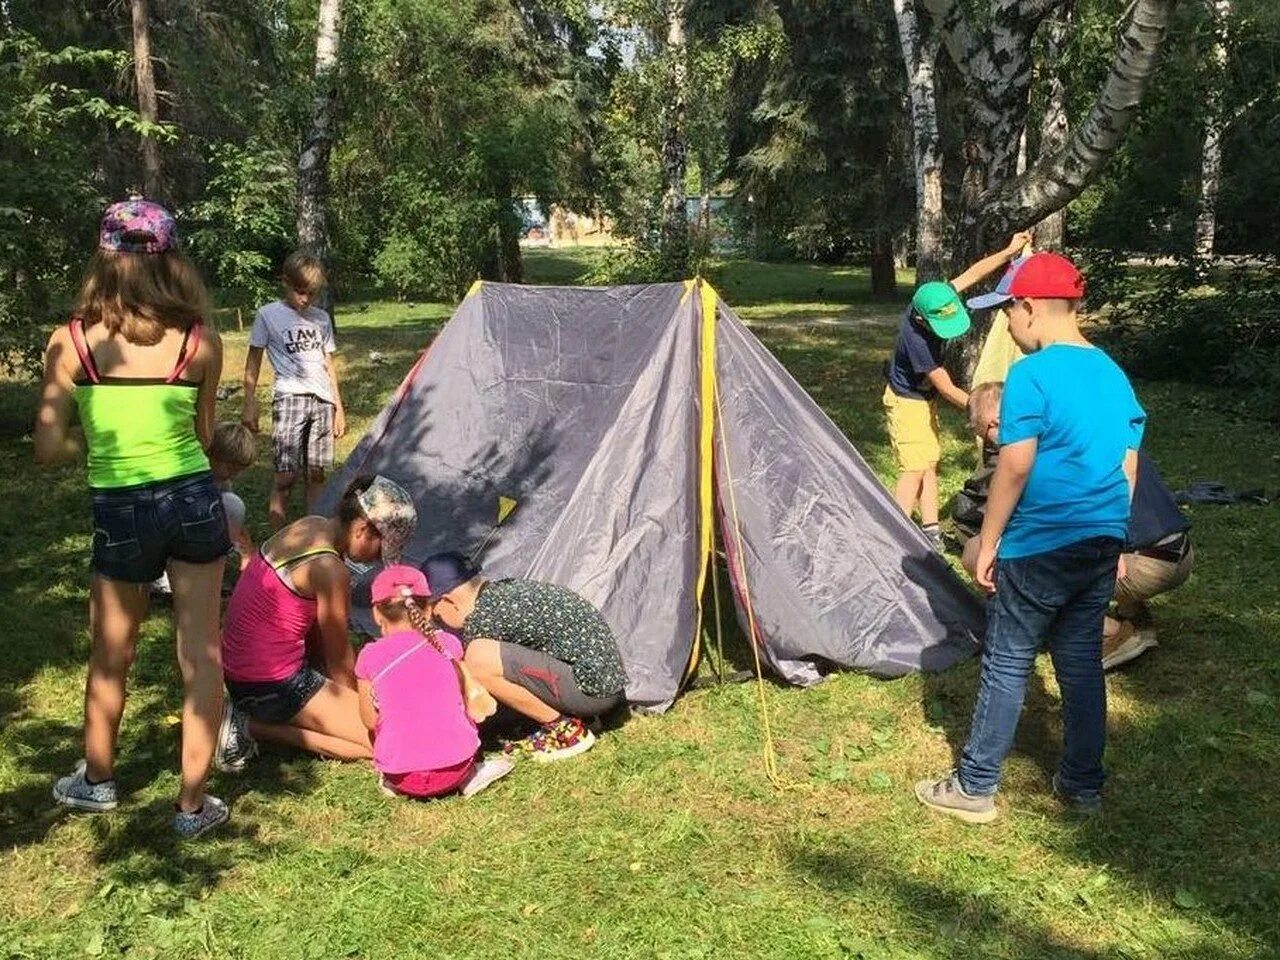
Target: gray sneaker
column 235, row 746
column 487, row 772
column 1088, row 804
column 76, row 791
column 946, row 796
column 212, row 813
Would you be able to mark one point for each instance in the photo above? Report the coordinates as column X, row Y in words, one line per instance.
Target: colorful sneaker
column 1088, row 804
column 235, row 746
column 212, row 813
column 947, row 796
column 487, row 772
column 1129, row 643
column 558, row 740
column 76, row 791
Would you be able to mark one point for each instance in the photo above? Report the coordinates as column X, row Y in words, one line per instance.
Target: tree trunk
column 1055, row 125
column 674, row 226
column 145, row 79
column 883, row 280
column 313, row 161
column 919, row 56
column 1211, row 149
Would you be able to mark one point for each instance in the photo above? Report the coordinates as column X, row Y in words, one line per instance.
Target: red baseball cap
column 1047, row 276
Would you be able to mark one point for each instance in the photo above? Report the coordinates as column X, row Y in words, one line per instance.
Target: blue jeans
column 1060, row 596
column 138, row 530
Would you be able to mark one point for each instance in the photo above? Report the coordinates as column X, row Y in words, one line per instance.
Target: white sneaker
column 487, row 772
column 1129, row 644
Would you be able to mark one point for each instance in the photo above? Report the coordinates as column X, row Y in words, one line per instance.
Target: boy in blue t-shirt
column 916, row 378
column 1057, row 516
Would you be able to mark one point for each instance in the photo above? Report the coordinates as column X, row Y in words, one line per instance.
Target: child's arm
column 56, row 440
column 241, row 540
column 339, row 414
column 368, row 712
column 252, row 368
column 331, row 583
column 989, row 265
column 947, row 389
column 1012, row 469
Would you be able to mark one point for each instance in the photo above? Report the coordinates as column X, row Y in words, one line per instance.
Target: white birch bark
column 1211, row 147
column 1055, row 125
column 919, row 57
column 313, row 161
column 145, row 80
column 674, row 223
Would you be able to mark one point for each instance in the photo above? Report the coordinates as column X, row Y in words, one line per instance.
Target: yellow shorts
column 913, row 431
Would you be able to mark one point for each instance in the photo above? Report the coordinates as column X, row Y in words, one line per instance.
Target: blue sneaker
column 76, row 791
column 212, row 813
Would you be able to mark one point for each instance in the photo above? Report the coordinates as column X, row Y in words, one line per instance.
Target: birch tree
column 996, row 66
column 919, row 56
column 1211, row 149
column 674, row 224
column 313, row 161
column 1055, row 124
column 145, row 81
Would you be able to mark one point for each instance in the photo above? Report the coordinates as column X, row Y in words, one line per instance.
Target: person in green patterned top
column 539, row 648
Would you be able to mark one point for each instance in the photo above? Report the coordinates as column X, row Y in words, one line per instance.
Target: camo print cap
column 388, row 506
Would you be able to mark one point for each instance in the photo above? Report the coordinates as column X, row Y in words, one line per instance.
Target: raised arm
column 989, row 265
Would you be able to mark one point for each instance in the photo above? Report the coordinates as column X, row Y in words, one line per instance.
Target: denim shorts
column 138, row 530
column 276, row 701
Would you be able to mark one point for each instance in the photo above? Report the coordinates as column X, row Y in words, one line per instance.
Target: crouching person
column 538, row 648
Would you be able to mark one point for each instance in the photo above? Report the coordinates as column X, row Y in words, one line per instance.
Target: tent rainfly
column 626, row 422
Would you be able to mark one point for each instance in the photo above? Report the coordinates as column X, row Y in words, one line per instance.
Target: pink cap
column 395, row 581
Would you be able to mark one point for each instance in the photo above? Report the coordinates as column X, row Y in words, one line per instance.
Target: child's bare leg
column 196, row 593
column 484, row 660
column 315, row 486
column 328, row 724
column 907, row 491
column 116, row 609
column 278, row 504
column 929, row 496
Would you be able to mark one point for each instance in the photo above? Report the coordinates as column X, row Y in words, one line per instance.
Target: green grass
column 668, row 840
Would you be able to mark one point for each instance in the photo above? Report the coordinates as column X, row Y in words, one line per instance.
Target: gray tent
column 625, row 422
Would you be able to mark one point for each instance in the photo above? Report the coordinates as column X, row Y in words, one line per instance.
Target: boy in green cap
column 917, row 378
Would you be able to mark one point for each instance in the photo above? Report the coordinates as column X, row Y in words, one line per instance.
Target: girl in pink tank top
column 296, row 592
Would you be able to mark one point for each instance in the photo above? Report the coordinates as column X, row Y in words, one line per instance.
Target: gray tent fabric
column 584, row 405
column 835, row 573
column 580, row 404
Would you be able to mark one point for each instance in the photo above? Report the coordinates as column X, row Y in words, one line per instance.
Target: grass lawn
column 667, row 840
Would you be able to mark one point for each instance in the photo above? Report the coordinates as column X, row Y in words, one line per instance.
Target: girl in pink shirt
column 411, row 697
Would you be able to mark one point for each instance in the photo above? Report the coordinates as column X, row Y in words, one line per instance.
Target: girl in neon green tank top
column 140, row 368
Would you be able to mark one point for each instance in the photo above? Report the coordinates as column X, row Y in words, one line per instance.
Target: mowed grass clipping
column 668, row 840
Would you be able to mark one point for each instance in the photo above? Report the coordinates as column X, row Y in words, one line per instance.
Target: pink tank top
column 264, row 634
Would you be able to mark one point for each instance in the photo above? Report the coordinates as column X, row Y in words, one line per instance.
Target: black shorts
column 552, row 682
column 138, row 530
column 276, row 701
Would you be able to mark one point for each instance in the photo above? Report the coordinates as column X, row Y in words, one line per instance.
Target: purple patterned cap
column 388, row 506
column 138, row 226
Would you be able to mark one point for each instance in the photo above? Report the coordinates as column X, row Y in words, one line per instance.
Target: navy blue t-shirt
column 917, row 353
column 1155, row 514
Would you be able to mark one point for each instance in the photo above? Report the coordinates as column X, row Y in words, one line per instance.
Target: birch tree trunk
column 1211, row 148
column 313, row 161
column 1055, row 125
column 919, row 56
column 674, row 226
column 145, row 80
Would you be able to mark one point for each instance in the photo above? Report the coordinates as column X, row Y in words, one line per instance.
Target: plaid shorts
column 301, row 432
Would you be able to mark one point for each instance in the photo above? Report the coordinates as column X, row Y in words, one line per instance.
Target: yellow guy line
column 706, row 450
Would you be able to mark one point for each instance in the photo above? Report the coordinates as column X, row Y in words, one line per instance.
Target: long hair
column 140, row 295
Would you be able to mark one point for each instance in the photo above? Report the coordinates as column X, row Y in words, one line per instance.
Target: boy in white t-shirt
column 306, row 408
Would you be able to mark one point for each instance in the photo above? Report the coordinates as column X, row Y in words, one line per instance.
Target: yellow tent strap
column 706, row 450
column 768, row 750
